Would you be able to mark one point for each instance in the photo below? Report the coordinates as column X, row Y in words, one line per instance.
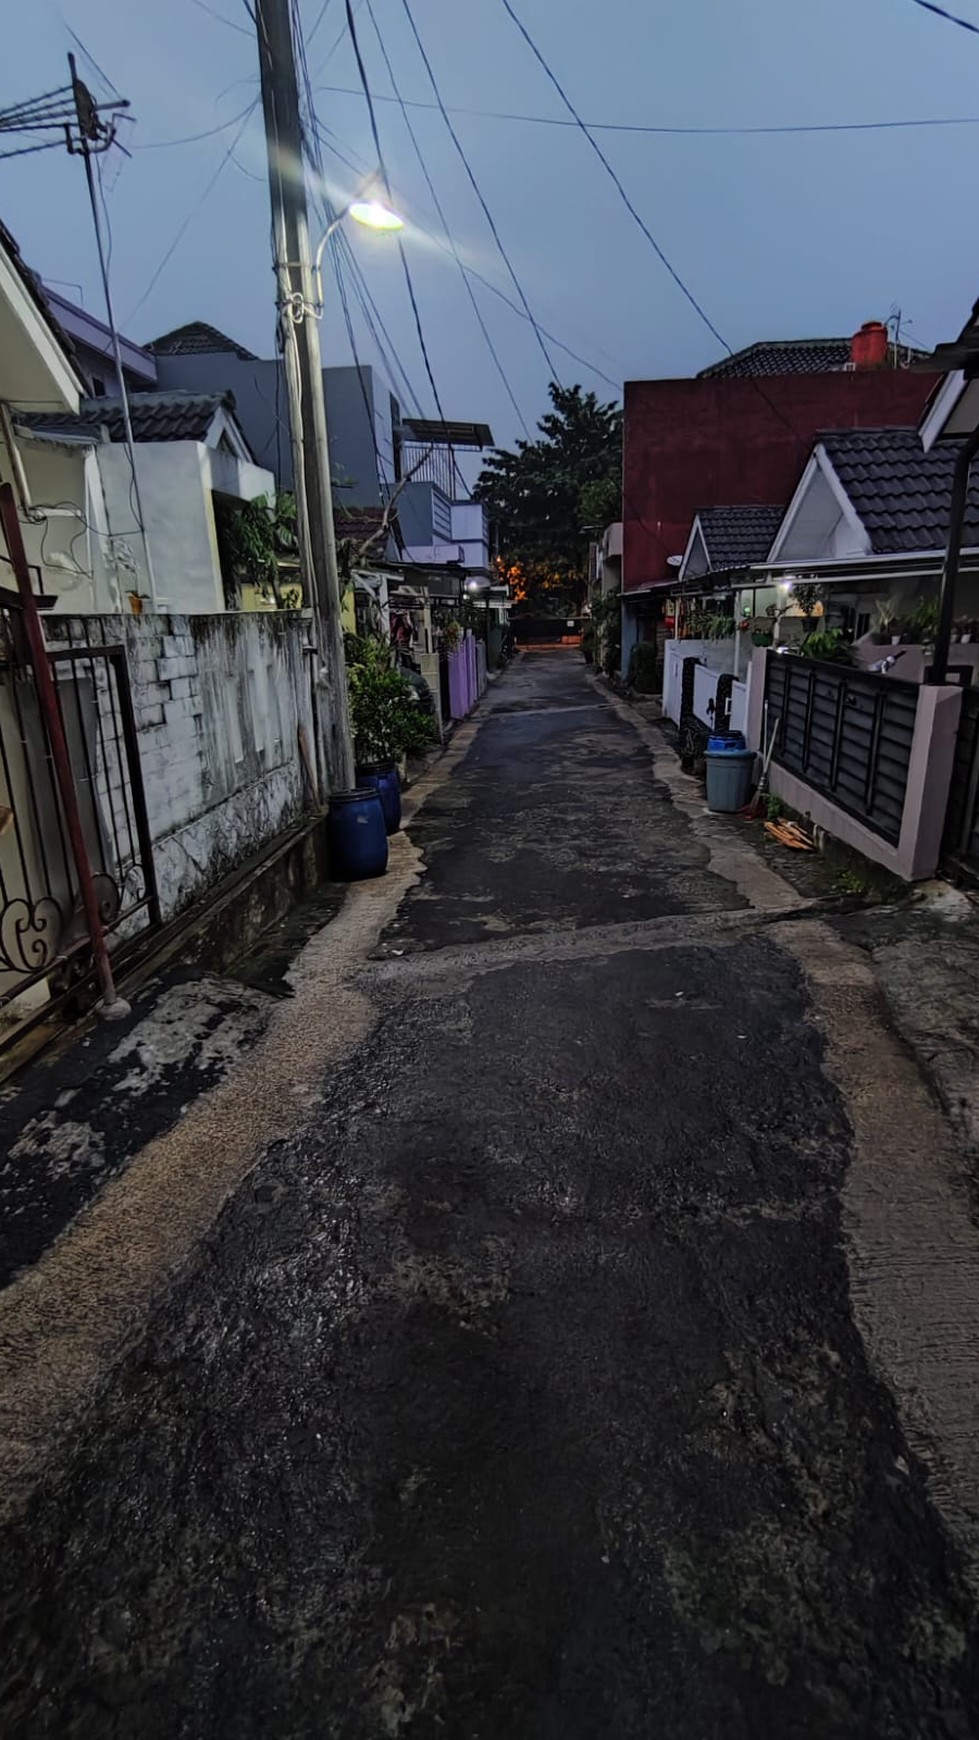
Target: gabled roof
column 735, row 537
column 900, row 493
column 198, row 339
column 155, row 417
column 790, row 356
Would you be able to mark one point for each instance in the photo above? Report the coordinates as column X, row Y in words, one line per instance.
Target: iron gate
column 847, row 733
column 44, row 939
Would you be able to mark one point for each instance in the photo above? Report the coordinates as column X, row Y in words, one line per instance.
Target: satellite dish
column 674, row 561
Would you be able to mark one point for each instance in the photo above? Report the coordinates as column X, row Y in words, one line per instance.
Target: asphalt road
column 519, row 1395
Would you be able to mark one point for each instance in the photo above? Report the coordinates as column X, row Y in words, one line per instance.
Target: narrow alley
column 527, row 1340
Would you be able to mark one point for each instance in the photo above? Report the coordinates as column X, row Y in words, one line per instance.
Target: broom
column 756, row 803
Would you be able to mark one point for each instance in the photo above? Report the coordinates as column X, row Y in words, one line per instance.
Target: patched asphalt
column 519, row 1397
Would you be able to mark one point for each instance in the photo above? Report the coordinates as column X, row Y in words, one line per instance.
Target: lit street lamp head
column 375, row 215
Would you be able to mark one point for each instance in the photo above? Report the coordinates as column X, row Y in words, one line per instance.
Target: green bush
column 643, row 666
column 386, row 718
column 827, row 644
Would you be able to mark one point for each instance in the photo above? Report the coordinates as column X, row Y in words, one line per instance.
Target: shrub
column 386, row 718
column 643, row 665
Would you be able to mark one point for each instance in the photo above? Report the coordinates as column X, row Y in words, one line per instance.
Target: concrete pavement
column 562, row 1324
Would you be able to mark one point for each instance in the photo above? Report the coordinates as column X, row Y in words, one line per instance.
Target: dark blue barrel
column 383, row 777
column 356, row 835
column 721, row 740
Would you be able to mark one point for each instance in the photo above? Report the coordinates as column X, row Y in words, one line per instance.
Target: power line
column 476, row 189
column 195, row 208
column 220, row 18
column 445, row 225
column 950, row 17
column 478, row 277
column 191, row 138
column 599, row 153
column 644, row 227
column 774, row 128
column 409, row 285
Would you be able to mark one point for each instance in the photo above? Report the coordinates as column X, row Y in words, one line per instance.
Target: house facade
column 738, row 434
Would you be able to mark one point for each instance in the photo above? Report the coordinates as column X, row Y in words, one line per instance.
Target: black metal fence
column 43, row 935
column 847, row 733
column 960, row 845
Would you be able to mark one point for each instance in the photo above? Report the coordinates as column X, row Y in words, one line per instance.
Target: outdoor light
column 372, row 213
column 375, row 215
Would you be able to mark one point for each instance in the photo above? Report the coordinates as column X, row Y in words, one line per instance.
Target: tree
column 548, row 496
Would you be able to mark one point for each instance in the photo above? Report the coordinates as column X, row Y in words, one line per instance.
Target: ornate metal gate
column 45, row 952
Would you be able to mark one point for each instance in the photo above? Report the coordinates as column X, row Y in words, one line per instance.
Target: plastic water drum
column 729, row 778
column 725, row 740
column 383, row 777
column 357, row 836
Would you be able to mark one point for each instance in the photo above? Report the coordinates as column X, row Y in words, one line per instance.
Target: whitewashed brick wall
column 219, row 701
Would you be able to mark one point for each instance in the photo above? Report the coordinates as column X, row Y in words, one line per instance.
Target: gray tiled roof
column 789, row 356
column 198, row 339
column 900, row 493
column 155, row 417
column 737, row 536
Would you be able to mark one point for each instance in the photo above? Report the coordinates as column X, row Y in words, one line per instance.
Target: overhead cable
column 445, row 225
column 699, row 310
column 720, row 132
column 192, row 213
column 476, row 189
column 409, row 285
column 337, row 150
column 950, row 17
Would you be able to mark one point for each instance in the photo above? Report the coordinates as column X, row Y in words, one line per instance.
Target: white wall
column 68, row 533
column 174, row 482
column 219, row 700
column 717, row 657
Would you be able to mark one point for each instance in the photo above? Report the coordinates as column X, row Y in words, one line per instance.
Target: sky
column 776, row 236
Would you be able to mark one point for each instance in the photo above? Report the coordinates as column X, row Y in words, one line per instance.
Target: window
column 98, row 387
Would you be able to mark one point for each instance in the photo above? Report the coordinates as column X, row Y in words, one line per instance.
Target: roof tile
column 901, row 494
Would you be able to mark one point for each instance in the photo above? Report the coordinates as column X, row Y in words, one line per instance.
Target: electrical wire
column 644, row 227
column 360, row 168
column 191, row 138
column 409, row 285
column 445, row 225
column 950, row 17
column 219, row 17
column 476, row 189
column 673, row 132
column 191, row 214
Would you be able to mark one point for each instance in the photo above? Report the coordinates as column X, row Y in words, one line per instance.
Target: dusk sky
column 777, row 235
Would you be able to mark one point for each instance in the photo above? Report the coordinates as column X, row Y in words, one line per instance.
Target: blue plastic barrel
column 356, row 835
column 729, row 778
column 725, row 740
column 383, row 777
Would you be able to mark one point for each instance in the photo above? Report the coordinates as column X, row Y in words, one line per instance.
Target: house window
column 98, row 387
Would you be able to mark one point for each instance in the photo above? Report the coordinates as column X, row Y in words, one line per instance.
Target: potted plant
column 828, row 645
column 923, row 622
column 884, row 618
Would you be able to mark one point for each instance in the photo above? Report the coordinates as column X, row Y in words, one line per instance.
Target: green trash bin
column 729, row 778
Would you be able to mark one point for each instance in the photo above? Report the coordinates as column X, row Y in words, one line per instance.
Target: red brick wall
column 717, row 443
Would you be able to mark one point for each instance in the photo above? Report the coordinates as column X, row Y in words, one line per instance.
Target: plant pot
column 964, row 639
column 896, row 639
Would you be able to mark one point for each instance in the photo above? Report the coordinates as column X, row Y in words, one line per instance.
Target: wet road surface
column 519, row 1395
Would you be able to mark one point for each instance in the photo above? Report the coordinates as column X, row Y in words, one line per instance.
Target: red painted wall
column 718, row 443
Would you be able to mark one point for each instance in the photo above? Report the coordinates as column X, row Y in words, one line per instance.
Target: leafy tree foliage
column 543, row 496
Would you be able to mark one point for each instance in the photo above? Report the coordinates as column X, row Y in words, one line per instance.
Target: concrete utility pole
column 304, row 381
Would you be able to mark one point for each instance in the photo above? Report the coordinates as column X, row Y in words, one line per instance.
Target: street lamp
column 372, row 213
